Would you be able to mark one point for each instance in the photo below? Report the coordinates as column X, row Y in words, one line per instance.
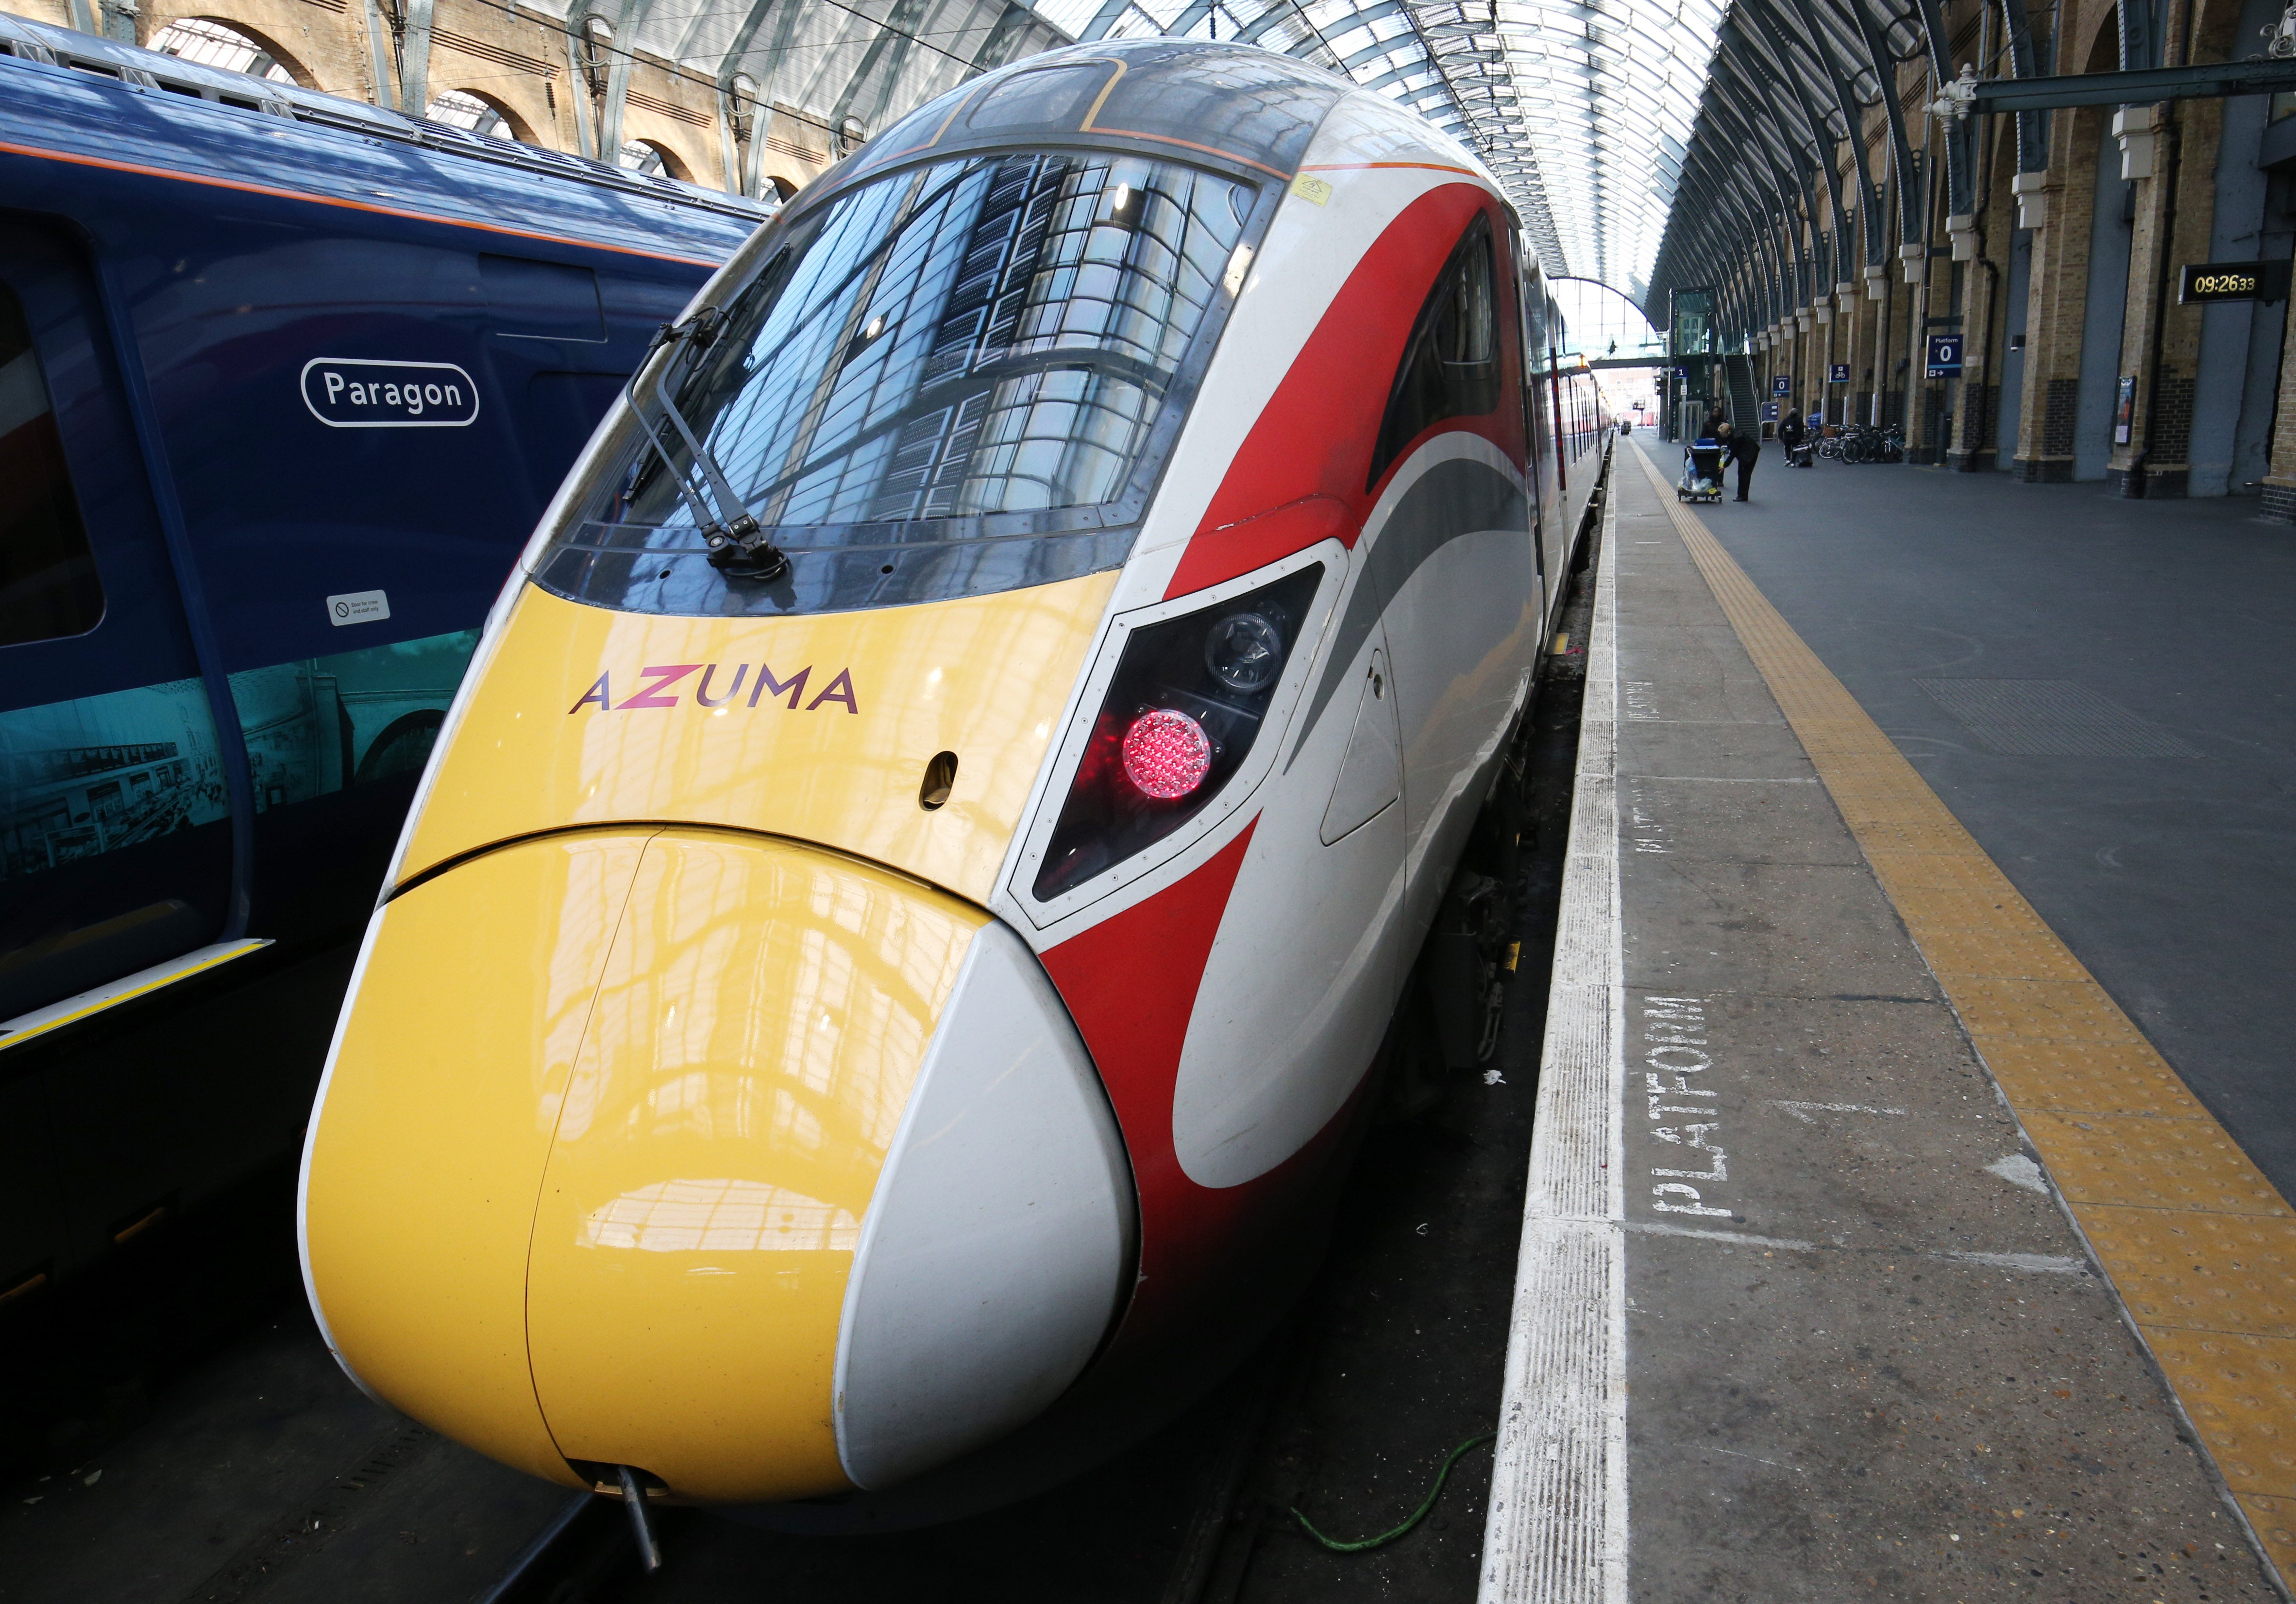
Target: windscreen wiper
column 738, row 546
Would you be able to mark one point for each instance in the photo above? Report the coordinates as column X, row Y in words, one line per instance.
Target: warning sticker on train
column 358, row 392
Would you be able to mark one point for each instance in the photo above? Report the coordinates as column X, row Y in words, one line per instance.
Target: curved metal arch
column 2026, row 61
column 1959, row 189
column 1763, row 16
column 1797, row 156
column 1742, row 245
column 1908, row 185
column 1853, row 114
column 1769, row 208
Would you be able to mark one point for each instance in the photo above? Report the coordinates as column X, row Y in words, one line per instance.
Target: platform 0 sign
column 1780, row 386
column 2205, row 281
column 1837, row 372
column 1945, row 356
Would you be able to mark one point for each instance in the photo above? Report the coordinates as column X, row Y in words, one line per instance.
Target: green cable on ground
column 1417, row 1515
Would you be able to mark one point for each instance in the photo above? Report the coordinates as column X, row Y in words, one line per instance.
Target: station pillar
column 1925, row 397
column 2058, row 302
column 2160, row 339
column 2279, row 473
column 1985, row 291
column 1864, row 318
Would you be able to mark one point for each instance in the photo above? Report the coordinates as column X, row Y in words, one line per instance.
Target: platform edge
column 1556, row 1531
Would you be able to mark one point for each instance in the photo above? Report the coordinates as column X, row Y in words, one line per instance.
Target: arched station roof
column 1584, row 108
column 1653, row 145
column 1649, row 145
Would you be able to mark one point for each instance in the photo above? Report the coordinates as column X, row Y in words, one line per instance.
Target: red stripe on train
column 1298, row 476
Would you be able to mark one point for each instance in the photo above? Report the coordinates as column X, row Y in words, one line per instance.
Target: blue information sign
column 1945, row 356
column 1838, row 373
column 1769, row 411
column 1682, row 372
column 1780, row 386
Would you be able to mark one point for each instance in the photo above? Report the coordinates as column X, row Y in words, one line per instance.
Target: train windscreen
column 945, row 382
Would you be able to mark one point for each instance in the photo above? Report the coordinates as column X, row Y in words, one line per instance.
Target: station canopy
column 1621, row 128
column 1583, row 107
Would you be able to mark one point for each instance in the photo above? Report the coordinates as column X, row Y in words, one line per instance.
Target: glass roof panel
column 1585, row 108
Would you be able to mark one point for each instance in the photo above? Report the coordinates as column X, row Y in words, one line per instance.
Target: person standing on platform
column 1743, row 449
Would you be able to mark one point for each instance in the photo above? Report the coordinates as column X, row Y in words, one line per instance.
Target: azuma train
column 285, row 382
column 897, row 929
column 895, row 933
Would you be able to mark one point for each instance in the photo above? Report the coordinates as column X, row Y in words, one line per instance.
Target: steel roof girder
column 1910, row 222
column 2025, row 63
column 1853, row 117
column 1959, row 190
column 1762, row 222
column 1763, row 16
column 625, row 48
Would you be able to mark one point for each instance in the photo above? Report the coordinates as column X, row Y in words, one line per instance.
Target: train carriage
column 897, row 931
column 285, row 381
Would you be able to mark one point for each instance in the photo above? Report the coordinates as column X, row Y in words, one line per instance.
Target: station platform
column 1902, row 1218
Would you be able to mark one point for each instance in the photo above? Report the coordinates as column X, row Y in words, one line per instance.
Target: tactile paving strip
column 2200, row 1245
column 2050, row 718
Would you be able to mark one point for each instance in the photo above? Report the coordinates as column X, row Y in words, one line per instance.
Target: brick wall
column 2172, row 418
column 2059, row 412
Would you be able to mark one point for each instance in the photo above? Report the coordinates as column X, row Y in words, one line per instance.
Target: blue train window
column 1451, row 366
column 48, row 583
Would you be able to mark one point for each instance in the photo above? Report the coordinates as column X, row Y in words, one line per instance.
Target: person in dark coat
column 1715, row 424
column 1790, row 432
column 1743, row 449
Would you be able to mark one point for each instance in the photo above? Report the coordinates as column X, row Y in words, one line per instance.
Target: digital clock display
column 2205, row 281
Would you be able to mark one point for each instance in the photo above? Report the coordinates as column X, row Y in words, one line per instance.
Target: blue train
column 285, row 382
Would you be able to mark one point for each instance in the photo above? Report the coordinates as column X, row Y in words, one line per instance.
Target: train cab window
column 1451, row 365
column 48, row 583
column 946, row 381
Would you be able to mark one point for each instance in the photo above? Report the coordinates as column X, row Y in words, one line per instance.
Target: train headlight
column 1244, row 651
column 1180, row 716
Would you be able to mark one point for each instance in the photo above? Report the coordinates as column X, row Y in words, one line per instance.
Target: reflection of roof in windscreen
column 1250, row 107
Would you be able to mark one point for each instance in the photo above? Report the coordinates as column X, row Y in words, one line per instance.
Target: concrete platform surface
column 1803, row 1315
column 2104, row 694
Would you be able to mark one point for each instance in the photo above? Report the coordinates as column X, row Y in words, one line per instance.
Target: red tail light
column 1167, row 754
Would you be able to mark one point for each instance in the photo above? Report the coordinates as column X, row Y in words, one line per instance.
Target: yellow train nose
column 761, row 1169
column 606, row 1120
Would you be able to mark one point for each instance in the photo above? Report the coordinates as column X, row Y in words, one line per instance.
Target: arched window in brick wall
column 229, row 46
column 646, row 157
column 479, row 113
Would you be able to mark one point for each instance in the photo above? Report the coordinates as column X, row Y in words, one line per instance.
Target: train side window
column 1451, row 364
column 48, row 583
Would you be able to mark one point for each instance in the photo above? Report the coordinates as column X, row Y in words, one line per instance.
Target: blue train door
column 115, row 832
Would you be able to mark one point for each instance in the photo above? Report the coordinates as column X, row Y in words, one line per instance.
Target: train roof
column 1185, row 98
column 73, row 97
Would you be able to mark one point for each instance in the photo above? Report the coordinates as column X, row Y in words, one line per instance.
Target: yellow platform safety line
column 2200, row 1246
